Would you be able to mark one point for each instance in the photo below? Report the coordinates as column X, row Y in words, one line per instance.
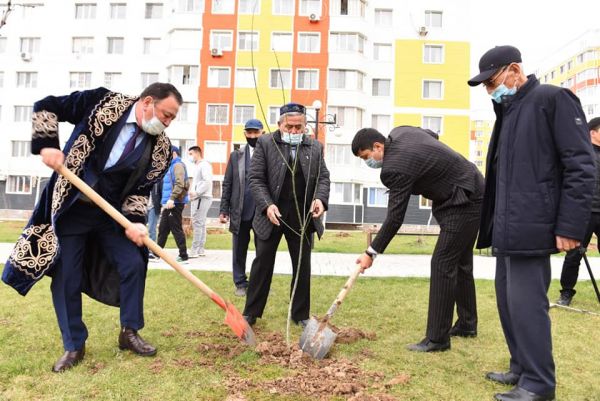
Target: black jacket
column 267, row 174
column 234, row 185
column 416, row 163
column 596, row 199
column 540, row 172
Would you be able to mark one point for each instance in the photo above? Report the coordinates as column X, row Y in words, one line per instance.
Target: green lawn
column 183, row 323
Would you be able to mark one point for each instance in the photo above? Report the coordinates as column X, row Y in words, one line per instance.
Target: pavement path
column 340, row 264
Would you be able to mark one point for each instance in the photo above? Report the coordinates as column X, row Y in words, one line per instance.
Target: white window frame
column 255, row 41
column 111, row 79
column 243, row 119
column 290, row 46
column 306, row 35
column 252, row 74
column 208, row 122
column 21, row 182
column 26, row 79
column 197, row 6
column 149, row 6
column 381, row 45
column 432, row 45
column 288, row 86
column 225, row 11
column 423, row 117
column 275, row 12
column 89, row 10
column 428, row 21
column 116, row 7
column 23, row 148
column 209, row 154
column 312, row 70
column 378, row 189
column 30, row 44
column 112, row 45
column 254, row 4
column 82, row 42
column 273, row 112
column 211, row 69
column 423, row 89
column 150, row 44
column 383, row 10
column 145, row 75
column 221, row 32
column 389, row 87
column 377, row 127
column 79, row 75
column 23, row 112
column 424, row 203
column 332, row 194
column 317, row 11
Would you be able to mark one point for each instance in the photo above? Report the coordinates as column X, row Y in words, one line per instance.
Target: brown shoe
column 131, row 340
column 68, row 360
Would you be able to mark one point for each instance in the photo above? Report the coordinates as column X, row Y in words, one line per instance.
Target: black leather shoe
column 302, row 323
column 250, row 319
column 458, row 331
column 565, row 298
column 68, row 360
column 131, row 340
column 520, row 394
column 426, row 345
column 509, row 378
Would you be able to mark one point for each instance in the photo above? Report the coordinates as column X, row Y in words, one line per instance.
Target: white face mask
column 292, row 139
column 153, row 126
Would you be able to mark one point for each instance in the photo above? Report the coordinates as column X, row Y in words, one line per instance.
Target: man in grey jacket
column 201, row 198
column 290, row 186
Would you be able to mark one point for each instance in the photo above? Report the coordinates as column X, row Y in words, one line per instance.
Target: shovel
column 233, row 318
column 318, row 338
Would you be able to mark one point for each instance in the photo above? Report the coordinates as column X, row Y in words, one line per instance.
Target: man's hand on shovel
column 136, row 232
column 365, row 261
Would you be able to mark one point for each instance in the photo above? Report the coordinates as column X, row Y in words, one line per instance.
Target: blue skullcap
column 292, row 108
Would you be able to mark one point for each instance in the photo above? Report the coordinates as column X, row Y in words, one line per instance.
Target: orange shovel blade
column 239, row 325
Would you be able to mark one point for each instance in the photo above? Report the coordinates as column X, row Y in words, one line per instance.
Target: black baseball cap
column 594, row 124
column 493, row 60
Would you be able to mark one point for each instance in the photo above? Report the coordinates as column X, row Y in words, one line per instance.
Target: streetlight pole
column 317, row 106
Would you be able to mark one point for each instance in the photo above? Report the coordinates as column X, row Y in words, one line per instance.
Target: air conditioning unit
column 216, row 52
column 314, row 17
column 26, row 56
column 423, row 31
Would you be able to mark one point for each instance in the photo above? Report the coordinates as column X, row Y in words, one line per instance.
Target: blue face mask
column 374, row 163
column 292, row 139
column 501, row 91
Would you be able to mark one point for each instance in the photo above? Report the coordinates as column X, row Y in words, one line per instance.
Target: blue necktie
column 130, row 145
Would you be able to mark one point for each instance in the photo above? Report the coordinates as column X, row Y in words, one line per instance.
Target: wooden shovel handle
column 342, row 294
column 153, row 246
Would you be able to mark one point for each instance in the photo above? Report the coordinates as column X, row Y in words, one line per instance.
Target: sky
column 537, row 28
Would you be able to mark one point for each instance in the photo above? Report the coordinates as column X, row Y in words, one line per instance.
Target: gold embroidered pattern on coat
column 135, row 204
column 44, row 124
column 74, row 162
column 35, row 250
column 108, row 111
column 160, row 157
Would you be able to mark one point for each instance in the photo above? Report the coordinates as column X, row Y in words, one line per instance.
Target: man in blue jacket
column 539, row 184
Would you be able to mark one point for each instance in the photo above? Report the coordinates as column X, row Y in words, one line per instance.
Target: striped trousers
column 452, row 272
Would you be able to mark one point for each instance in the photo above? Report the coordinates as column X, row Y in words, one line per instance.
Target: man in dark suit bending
column 414, row 162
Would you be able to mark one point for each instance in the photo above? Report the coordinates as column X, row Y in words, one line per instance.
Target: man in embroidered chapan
column 119, row 148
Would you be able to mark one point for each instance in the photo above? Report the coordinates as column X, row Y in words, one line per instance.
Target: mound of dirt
column 349, row 335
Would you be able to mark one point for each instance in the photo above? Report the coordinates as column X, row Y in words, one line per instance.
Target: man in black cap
column 237, row 204
column 570, row 269
column 290, row 186
column 539, row 183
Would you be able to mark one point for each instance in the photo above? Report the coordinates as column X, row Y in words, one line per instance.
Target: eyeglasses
column 490, row 81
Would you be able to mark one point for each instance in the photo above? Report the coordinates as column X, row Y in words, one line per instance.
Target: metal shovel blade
column 241, row 328
column 317, row 338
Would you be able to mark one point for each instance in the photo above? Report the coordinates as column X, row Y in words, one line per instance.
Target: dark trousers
column 522, row 295
column 452, row 273
column 261, row 273
column 570, row 269
column 73, row 228
column 240, row 252
column 170, row 222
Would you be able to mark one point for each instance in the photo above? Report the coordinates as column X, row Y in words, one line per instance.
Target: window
column 221, row 40
column 244, row 77
column 590, row 73
column 348, row 117
column 478, row 134
column 21, row 148
column 378, row 197
column 346, row 79
column 183, row 74
column 249, row 7
column 217, row 114
column 248, row 41
column 433, row 19
column 190, row 6
column 85, row 10
column 586, row 56
column 23, row 113
column 308, row 7
column 273, row 115
column 148, row 78
column 347, row 42
column 283, row 7
column 381, row 123
column 2, row 45
column 112, row 79
column 352, row 8
column 30, row 45
column 80, row 80
column 18, row 184
column 309, row 43
column 118, row 10
column 281, row 78
column 154, row 10
column 569, row 65
column 433, row 54
column 218, row 77
column 27, row 79
column 114, row 45
column 337, row 154
column 381, row 87
column 433, row 123
column 562, row 69
column 382, row 52
column 282, row 42
column 241, row 114
column 479, row 163
column 383, row 17
column 432, row 89
column 223, row 6
column 151, row 45
column 342, row 192
column 307, row 79
column 187, row 113
column 83, row 45
column 425, row 203
column 215, row 152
